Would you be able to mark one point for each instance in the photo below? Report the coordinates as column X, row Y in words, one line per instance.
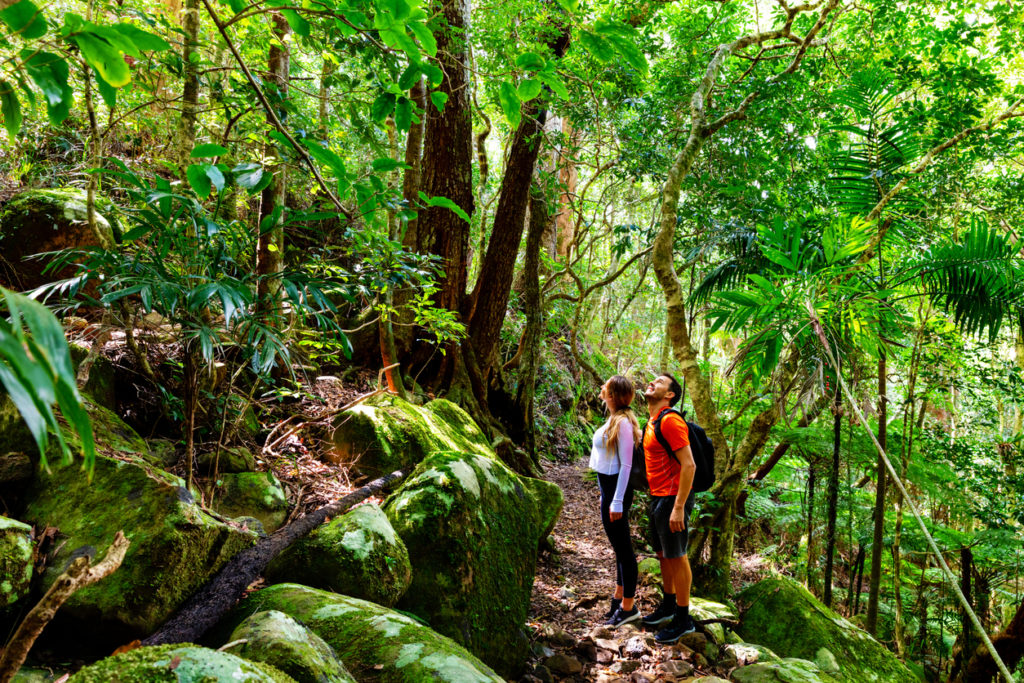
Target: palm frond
column 742, row 257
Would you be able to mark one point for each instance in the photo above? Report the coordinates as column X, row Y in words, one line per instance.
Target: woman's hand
column 614, row 516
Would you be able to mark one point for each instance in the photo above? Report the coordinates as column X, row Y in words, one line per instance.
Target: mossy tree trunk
column 190, row 78
column 874, row 588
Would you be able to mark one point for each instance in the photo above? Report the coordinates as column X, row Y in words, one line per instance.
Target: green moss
column 358, row 554
column 274, row 638
column 15, row 561
column 375, row 643
column 782, row 671
column 175, row 546
column 178, row 664
column 253, row 494
column 782, row 615
column 472, row 527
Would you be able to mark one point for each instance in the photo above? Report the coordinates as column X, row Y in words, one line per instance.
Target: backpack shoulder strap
column 661, row 437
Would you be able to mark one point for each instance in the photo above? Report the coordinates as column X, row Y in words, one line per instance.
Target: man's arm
column 688, row 468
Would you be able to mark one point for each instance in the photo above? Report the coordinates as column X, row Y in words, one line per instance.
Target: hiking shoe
column 622, row 616
column 664, row 612
column 616, row 602
column 675, row 631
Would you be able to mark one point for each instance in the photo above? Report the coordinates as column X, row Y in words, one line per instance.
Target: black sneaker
column 675, row 631
column 615, row 607
column 622, row 616
column 664, row 612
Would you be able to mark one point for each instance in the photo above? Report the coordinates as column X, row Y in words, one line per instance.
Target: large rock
column 375, row 643
column 178, row 664
column 781, row 614
column 15, row 561
column 386, row 433
column 253, row 494
column 790, row 670
column 275, row 638
column 472, row 527
column 175, row 546
column 358, row 554
column 36, row 221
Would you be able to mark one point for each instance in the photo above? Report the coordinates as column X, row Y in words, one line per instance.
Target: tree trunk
column 568, row 177
column 967, row 640
column 871, row 620
column 414, row 160
column 190, row 76
column 833, row 497
column 1009, row 644
column 812, row 545
column 854, row 590
column 448, row 160
column 270, row 247
column 494, row 283
column 539, row 221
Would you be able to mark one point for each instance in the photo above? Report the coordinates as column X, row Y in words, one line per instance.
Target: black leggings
column 618, row 534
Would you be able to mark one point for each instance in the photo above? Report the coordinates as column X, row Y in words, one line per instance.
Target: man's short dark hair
column 675, row 388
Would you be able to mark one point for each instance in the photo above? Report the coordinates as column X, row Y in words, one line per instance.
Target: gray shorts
column 670, row 543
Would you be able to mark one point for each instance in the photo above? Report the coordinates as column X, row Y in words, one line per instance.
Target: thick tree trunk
column 539, row 221
column 448, row 160
column 812, row 541
column 568, row 177
column 1010, row 646
column 190, row 74
column 494, row 284
column 871, row 620
column 270, row 247
column 414, row 160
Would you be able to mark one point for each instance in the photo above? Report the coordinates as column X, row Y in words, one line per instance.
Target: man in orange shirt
column 670, row 475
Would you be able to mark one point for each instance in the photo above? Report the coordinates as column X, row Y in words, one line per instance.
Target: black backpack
column 700, row 446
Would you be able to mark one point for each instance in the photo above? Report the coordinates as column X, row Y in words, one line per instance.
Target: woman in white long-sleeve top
column 611, row 457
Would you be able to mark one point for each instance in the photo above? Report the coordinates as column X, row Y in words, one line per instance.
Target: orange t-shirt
column 662, row 467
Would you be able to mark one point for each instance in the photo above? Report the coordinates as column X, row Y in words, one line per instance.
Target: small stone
column 529, row 678
column 635, row 647
column 601, row 632
column 563, row 664
column 587, row 650
column 605, row 657
column 700, row 660
column 711, row 651
column 675, row 667
column 543, row 674
column 607, row 644
column 557, row 636
column 540, row 650
column 567, row 593
column 640, row 677
column 608, row 677
column 625, row 666
column 696, row 641
column 826, row 661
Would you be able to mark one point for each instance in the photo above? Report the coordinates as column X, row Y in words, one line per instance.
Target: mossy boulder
column 102, row 382
column 175, row 546
column 15, row 561
column 708, row 609
column 374, row 642
column 178, row 664
column 230, row 459
column 274, row 638
column 472, row 527
column 253, row 494
column 386, row 433
column 781, row 614
column 790, row 670
column 36, row 221
column 358, row 554
column 32, row 674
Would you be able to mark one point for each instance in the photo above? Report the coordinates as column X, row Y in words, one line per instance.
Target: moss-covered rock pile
column 274, row 638
column 374, row 642
column 472, row 527
column 175, row 546
column 386, row 433
column 178, row 664
column 15, row 561
column 357, row 554
column 253, row 494
column 781, row 614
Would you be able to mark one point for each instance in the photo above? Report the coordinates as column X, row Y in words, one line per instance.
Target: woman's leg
column 619, row 537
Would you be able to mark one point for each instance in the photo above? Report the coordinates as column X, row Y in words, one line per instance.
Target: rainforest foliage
column 808, row 212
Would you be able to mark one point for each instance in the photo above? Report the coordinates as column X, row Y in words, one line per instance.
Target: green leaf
column 597, row 46
column 108, row 93
column 199, row 180
column 24, row 20
column 296, row 21
column 50, row 74
column 386, row 164
column 215, row 175
column 248, row 175
column 10, row 108
column 445, row 203
column 439, row 99
column 510, row 104
column 530, row 61
column 433, row 74
column 630, row 51
column 326, row 156
column 409, row 77
column 143, row 40
column 403, row 114
column 555, row 83
column 208, row 149
column 103, row 57
column 425, row 36
column 382, row 107
column 529, row 89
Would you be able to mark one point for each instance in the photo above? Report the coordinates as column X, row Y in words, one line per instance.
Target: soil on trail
column 573, row 585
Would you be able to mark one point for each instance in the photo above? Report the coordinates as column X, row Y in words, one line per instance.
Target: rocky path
column 570, row 596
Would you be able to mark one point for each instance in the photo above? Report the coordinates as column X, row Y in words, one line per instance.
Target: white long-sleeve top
column 617, row 460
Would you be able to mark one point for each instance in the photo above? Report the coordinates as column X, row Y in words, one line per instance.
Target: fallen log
column 211, row 602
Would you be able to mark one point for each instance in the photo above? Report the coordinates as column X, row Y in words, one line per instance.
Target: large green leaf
column 10, row 108
column 25, row 20
column 50, row 74
column 510, row 105
column 103, row 57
